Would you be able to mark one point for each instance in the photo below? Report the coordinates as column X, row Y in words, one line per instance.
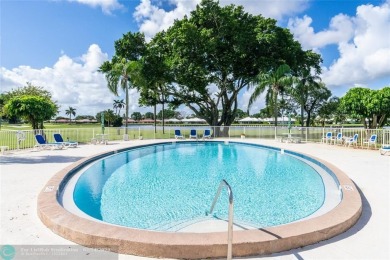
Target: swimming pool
column 196, row 241
column 166, row 187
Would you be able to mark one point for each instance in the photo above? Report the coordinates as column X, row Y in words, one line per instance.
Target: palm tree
column 274, row 82
column 71, row 111
column 115, row 106
column 109, row 116
column 118, row 74
column 120, row 105
column 122, row 70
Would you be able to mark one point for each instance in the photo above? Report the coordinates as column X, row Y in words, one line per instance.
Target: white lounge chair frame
column 371, row 141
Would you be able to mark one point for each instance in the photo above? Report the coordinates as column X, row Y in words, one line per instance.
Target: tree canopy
column 34, row 109
column 215, row 53
column 30, row 103
column 363, row 103
column 71, row 111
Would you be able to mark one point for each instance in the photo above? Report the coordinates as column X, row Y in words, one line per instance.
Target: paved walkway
column 25, row 173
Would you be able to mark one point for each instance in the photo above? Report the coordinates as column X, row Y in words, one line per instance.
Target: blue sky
column 59, row 44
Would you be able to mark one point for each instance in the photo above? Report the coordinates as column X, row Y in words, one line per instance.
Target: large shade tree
column 216, row 52
column 364, row 103
column 316, row 98
column 306, row 81
column 155, row 76
column 31, row 103
column 29, row 89
column 34, row 109
column 378, row 105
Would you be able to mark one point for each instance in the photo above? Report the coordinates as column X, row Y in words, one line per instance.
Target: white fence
column 12, row 139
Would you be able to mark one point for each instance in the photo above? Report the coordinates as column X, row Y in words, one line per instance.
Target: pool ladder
column 230, row 224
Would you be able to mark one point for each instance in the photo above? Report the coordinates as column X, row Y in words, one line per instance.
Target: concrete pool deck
column 24, row 174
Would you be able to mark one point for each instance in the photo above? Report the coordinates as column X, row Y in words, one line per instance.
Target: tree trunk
column 374, row 121
column 221, row 131
column 127, row 108
column 155, row 116
column 162, row 113
column 308, row 119
column 382, row 120
column 276, row 108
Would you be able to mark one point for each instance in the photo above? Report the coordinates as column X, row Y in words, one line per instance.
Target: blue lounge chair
column 207, row 134
column 385, row 149
column 338, row 139
column 178, row 134
column 327, row 138
column 371, row 141
column 41, row 143
column 193, row 134
column 58, row 138
column 352, row 141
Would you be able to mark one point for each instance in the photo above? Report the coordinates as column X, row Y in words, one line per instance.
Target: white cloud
column 72, row 81
column 341, row 29
column 363, row 43
column 276, row 9
column 152, row 17
column 107, row 5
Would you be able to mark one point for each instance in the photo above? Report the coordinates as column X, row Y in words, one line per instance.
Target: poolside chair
column 58, row 138
column 41, row 143
column 327, row 138
column 371, row 141
column 385, row 149
column 352, row 140
column 193, row 134
column 178, row 134
column 339, row 139
column 207, row 134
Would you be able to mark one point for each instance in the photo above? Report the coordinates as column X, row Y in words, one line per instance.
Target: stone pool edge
column 196, row 245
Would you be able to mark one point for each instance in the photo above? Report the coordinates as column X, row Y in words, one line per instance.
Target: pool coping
column 196, row 245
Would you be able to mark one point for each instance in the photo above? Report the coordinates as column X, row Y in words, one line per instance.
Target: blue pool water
column 162, row 186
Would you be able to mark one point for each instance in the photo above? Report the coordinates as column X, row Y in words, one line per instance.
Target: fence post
column 275, row 132
column 306, row 133
column 383, row 137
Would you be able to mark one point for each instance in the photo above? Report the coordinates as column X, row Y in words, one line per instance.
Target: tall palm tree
column 71, row 111
column 274, row 82
column 118, row 75
column 123, row 68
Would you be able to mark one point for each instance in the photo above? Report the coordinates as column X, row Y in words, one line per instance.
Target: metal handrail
column 230, row 224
